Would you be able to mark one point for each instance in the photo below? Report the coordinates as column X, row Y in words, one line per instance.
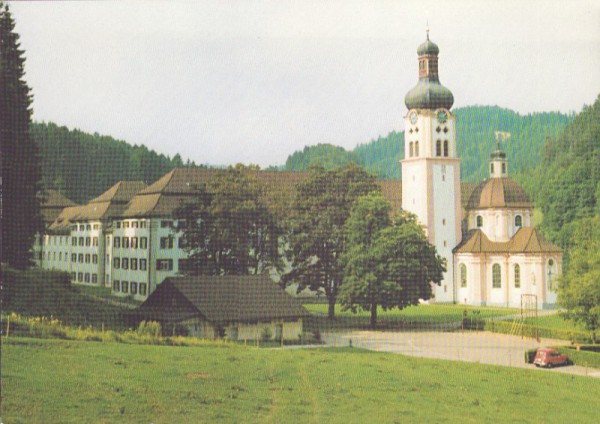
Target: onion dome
column 499, row 193
column 428, row 93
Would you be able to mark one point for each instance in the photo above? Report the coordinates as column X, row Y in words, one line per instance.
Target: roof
column 427, row 48
column 429, row 94
column 222, row 299
column 526, row 240
column 109, row 204
column 52, row 204
column 499, row 193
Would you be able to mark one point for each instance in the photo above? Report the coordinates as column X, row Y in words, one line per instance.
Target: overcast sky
column 222, row 82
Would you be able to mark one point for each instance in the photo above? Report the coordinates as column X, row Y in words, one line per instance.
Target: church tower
column 431, row 168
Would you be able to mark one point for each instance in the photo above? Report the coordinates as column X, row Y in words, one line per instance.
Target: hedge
column 507, row 327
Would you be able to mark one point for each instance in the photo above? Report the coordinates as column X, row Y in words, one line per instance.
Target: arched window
column 496, row 276
column 416, row 148
column 551, row 274
column 446, row 148
column 517, row 276
column 463, row 275
column 518, row 221
column 410, row 152
column 479, row 221
column 438, row 148
column 503, row 168
column 491, row 168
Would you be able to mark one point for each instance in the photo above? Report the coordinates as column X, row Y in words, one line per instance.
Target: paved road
column 481, row 347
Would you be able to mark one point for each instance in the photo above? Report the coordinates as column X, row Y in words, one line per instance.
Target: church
column 493, row 253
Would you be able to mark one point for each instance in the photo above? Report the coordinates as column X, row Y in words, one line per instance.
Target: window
column 143, row 289
column 95, row 241
column 410, row 150
column 142, row 224
column 491, row 168
column 60, row 256
column 517, row 276
column 165, row 224
column 117, row 263
column 181, row 242
column 143, row 264
column 166, row 242
column 94, row 278
column 164, row 264
column 87, row 277
column 134, row 264
column 125, row 242
column 134, row 287
column 125, row 286
column 125, row 263
column 463, row 275
column 88, row 258
column 96, row 226
column 73, row 276
column 81, row 240
column 80, row 277
column 94, row 259
column 445, row 148
column 479, row 221
column 143, row 242
column 107, row 259
column 518, row 221
column 117, row 242
column 438, row 148
column 116, row 285
column 73, row 257
column 496, row 276
column 88, row 241
column 134, row 242
column 125, row 224
column 73, row 241
column 88, row 227
column 416, row 148
column 81, row 227
column 134, row 224
column 118, row 224
column 80, row 258
column 551, row 275
column 503, row 168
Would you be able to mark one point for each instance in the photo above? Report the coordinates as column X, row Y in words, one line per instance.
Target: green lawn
column 555, row 321
column 55, row 381
column 435, row 313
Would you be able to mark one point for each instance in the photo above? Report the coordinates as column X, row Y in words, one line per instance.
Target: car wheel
column 549, row 365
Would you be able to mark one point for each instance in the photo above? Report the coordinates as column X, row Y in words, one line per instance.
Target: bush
column 266, row 334
column 149, row 328
column 507, row 327
column 582, row 358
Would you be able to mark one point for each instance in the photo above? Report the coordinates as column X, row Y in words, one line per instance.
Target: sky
column 225, row 82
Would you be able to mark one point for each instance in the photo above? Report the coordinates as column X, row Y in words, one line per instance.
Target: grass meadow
column 59, row 381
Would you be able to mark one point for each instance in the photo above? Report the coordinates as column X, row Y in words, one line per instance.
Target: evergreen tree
column 20, row 208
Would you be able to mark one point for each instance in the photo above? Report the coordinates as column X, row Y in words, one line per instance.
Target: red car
column 549, row 358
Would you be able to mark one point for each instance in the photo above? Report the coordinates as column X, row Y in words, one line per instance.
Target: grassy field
column 68, row 381
column 432, row 315
column 555, row 321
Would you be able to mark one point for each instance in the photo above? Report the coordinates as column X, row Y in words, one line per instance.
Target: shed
column 244, row 307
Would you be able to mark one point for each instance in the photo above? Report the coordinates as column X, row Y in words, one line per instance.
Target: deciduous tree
column 387, row 264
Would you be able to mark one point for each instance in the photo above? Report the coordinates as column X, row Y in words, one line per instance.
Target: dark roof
column 221, row 300
column 499, row 193
column 526, row 240
column 53, row 202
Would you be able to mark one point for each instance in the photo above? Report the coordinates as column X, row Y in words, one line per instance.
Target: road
column 480, row 347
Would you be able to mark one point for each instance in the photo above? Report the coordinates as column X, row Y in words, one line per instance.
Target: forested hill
column 475, row 133
column 82, row 166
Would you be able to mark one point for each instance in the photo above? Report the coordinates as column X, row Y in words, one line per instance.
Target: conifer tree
column 20, row 184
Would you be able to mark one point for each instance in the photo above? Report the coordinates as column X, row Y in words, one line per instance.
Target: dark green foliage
column 229, row 228
column 386, row 264
column 81, row 166
column 322, row 206
column 20, row 184
column 569, row 180
column 475, row 141
column 43, row 293
column 325, row 155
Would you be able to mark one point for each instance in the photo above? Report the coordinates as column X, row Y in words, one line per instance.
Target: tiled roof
column 526, row 240
column 53, row 202
column 498, row 193
column 222, row 299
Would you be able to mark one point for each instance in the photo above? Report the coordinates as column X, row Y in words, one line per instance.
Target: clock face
column 413, row 117
column 442, row 116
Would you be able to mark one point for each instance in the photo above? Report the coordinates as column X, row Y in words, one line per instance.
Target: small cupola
column 498, row 158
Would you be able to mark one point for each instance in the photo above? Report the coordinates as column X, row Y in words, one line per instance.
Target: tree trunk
column 331, row 311
column 373, row 315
